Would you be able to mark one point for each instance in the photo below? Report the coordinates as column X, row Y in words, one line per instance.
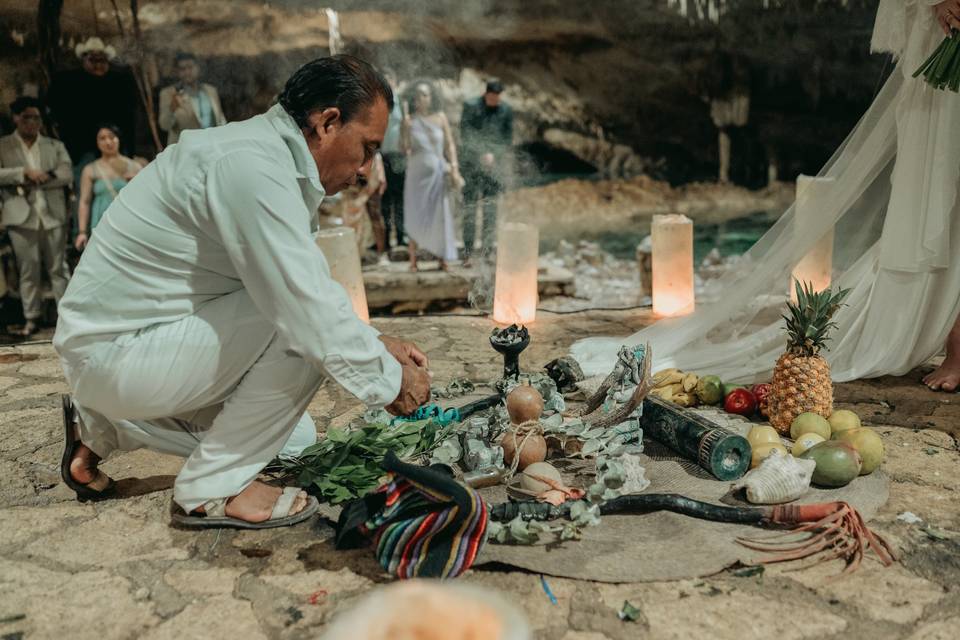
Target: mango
column 837, row 463
column 868, row 444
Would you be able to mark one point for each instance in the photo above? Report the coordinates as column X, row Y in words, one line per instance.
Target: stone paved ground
column 117, row 570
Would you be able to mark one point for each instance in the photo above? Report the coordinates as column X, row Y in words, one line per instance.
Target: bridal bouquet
column 942, row 68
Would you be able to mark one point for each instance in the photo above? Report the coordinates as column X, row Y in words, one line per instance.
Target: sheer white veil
column 736, row 331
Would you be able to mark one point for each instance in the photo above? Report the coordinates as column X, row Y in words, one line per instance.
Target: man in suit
column 189, row 104
column 34, row 173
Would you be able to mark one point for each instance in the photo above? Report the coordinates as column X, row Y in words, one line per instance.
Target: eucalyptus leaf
column 590, row 447
column 552, row 422
column 521, row 532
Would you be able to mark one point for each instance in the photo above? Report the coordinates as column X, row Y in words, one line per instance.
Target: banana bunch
column 676, row 386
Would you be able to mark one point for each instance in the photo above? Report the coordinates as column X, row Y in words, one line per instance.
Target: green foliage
column 809, row 322
column 346, row 463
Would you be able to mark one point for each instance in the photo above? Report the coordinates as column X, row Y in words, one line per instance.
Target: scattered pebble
column 909, row 517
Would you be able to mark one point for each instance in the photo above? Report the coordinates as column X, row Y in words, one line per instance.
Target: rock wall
column 617, row 87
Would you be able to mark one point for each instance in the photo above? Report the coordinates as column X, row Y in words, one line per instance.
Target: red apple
column 741, row 402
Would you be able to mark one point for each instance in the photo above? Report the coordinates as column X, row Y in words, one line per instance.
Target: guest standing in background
column 83, row 98
column 376, row 186
column 486, row 136
column 432, row 169
column 394, row 165
column 35, row 172
column 188, row 104
column 101, row 181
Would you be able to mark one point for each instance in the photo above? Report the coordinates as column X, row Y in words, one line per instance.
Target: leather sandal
column 101, row 486
column 214, row 514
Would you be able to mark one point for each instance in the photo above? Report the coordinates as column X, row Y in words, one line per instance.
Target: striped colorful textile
column 422, row 522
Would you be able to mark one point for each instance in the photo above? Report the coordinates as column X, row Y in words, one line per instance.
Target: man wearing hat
column 486, row 133
column 83, row 99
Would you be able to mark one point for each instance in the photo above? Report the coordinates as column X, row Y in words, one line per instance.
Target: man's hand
column 36, row 175
column 405, row 352
column 948, row 15
column 414, row 390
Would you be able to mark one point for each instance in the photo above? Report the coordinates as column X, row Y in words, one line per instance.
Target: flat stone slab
column 116, row 569
column 396, row 288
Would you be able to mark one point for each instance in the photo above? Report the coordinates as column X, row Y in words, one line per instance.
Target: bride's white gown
column 893, row 207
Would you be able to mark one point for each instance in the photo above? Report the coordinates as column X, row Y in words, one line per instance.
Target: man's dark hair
column 345, row 82
column 184, row 55
column 494, row 86
column 22, row 103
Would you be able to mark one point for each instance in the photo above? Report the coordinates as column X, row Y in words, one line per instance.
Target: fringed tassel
column 836, row 530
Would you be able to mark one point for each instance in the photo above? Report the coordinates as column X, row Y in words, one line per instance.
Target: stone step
column 395, row 288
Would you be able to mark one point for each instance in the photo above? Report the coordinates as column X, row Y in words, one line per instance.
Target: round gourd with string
column 524, row 404
column 524, row 445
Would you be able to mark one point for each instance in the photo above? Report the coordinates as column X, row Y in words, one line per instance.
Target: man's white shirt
column 223, row 209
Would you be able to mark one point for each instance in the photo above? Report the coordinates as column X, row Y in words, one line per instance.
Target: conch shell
column 778, row 479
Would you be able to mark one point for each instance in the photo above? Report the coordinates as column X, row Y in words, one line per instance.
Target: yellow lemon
column 762, row 451
column 809, row 423
column 762, row 434
column 804, row 442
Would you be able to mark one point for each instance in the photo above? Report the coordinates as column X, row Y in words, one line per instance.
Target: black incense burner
column 510, row 342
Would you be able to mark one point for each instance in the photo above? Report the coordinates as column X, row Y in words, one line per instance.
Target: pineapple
column 801, row 379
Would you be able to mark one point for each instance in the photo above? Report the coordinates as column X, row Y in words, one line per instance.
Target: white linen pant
column 39, row 250
column 219, row 388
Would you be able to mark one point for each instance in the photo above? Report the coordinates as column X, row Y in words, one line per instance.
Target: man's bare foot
column 255, row 503
column 946, row 377
column 83, row 467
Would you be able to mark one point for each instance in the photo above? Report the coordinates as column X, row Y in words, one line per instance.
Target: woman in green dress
column 101, row 181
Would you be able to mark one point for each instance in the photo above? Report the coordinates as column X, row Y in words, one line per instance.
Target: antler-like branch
column 624, row 411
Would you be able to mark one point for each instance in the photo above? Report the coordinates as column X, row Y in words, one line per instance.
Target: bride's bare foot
column 946, row 377
column 83, row 467
column 255, row 503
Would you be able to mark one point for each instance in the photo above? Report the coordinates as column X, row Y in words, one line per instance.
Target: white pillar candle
column 339, row 246
column 672, row 237
column 518, row 257
column 817, row 265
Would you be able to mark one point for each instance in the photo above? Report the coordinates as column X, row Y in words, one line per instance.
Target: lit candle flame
column 518, row 256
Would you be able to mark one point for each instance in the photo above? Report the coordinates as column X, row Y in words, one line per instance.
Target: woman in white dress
column 431, row 171
column 889, row 194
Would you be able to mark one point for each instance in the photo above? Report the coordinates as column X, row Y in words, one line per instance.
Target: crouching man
column 203, row 318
